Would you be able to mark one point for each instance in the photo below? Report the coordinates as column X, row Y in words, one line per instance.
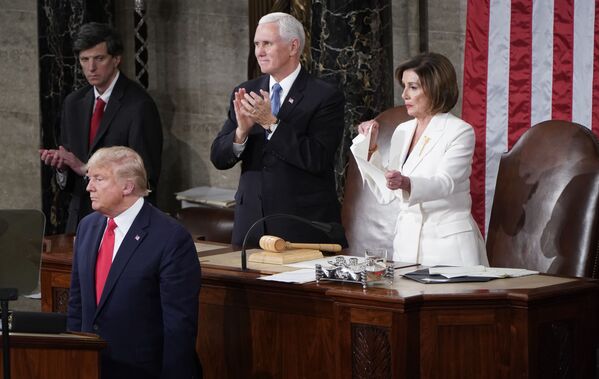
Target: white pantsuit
column 434, row 225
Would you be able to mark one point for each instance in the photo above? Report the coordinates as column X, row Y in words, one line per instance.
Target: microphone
column 334, row 231
column 6, row 294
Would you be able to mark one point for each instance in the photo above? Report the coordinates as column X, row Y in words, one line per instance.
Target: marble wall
column 197, row 53
column 351, row 47
column 19, row 105
column 405, row 36
column 447, row 31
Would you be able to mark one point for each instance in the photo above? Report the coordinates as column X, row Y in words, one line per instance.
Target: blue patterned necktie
column 275, row 98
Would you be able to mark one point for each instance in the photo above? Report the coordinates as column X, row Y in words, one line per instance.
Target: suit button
column 96, row 327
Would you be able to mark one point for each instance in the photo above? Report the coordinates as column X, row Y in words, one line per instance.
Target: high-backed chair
column 208, row 223
column 545, row 209
column 367, row 223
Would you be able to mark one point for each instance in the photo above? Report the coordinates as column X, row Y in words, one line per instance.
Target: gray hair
column 289, row 27
column 125, row 164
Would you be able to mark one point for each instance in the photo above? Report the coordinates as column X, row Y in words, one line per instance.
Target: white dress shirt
column 123, row 224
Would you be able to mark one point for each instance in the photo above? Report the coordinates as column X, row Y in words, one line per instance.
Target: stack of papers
column 218, row 197
column 480, row 271
column 444, row 274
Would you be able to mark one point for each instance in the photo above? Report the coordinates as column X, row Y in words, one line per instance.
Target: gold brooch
column 426, row 140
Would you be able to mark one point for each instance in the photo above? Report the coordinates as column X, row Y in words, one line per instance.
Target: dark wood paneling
column 250, row 328
column 54, row 357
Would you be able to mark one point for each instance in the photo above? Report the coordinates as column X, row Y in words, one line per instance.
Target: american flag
column 525, row 61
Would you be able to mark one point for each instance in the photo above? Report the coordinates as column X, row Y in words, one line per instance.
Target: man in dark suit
column 285, row 128
column 112, row 110
column 136, row 276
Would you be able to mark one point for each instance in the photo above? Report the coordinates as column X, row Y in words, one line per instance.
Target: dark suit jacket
column 293, row 173
column 130, row 119
column 148, row 312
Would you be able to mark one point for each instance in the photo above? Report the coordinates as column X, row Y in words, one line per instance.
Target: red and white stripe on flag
column 525, row 61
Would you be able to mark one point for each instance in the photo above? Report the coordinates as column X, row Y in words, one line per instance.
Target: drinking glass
column 376, row 265
column 376, row 255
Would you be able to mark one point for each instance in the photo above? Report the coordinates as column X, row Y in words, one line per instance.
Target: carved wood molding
column 371, row 352
column 60, row 300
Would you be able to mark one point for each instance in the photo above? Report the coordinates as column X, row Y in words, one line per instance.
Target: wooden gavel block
column 277, row 244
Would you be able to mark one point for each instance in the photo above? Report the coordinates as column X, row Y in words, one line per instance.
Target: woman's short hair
column 125, row 164
column 437, row 77
column 289, row 27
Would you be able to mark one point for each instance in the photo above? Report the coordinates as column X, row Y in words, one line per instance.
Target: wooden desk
column 531, row 327
column 54, row 356
column 55, row 273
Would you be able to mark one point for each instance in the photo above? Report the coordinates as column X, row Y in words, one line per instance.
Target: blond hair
column 125, row 164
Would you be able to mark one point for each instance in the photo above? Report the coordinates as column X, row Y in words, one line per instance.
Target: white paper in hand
column 361, row 144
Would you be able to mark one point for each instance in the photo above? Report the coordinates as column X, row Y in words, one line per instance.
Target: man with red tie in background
column 112, row 110
column 136, row 276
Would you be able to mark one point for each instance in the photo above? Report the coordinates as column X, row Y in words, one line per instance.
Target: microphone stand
column 333, row 230
column 6, row 294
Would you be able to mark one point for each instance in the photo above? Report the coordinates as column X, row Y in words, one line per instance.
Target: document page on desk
column 298, row 276
column 446, row 274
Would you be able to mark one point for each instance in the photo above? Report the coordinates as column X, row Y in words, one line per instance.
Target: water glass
column 376, row 255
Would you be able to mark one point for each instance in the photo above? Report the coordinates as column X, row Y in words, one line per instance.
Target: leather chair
column 545, row 209
column 208, row 223
column 367, row 223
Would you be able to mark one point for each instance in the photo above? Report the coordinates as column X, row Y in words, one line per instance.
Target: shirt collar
column 106, row 95
column 126, row 218
column 285, row 83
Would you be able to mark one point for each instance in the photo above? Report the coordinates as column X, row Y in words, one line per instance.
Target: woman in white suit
column 428, row 169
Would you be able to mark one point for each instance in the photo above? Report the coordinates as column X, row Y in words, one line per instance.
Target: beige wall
column 19, row 106
column 198, row 53
column 447, row 30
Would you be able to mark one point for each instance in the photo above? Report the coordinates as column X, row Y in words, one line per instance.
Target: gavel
column 272, row 243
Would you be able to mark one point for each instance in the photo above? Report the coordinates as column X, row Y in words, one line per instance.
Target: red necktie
column 104, row 258
column 96, row 119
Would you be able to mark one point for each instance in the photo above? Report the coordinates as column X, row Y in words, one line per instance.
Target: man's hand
column 66, row 158
column 50, row 157
column 259, row 108
column 61, row 159
column 243, row 116
column 263, row 109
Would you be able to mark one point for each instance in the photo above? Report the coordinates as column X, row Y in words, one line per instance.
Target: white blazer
column 434, row 225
